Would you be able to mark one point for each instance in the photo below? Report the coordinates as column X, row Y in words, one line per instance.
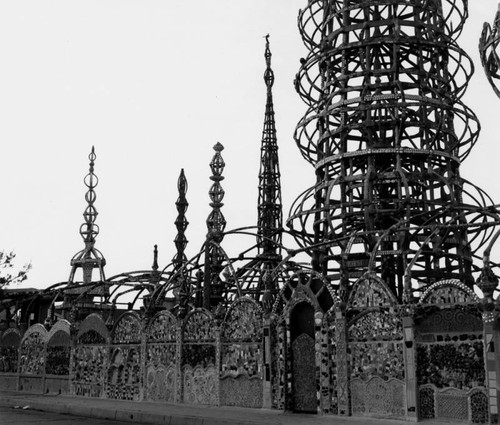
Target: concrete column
column 179, row 384
column 490, row 367
column 341, row 360
column 410, row 368
column 266, row 378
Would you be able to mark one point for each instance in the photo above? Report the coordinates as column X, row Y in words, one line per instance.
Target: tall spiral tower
column 386, row 132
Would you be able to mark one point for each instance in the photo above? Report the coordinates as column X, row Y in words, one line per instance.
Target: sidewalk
column 176, row 414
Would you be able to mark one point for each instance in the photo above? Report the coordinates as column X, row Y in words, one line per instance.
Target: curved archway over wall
column 299, row 313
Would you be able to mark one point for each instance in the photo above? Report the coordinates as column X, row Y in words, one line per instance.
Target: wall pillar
column 490, row 367
column 341, row 360
column 179, row 383
column 266, row 378
column 322, row 363
column 218, row 361
column 410, row 368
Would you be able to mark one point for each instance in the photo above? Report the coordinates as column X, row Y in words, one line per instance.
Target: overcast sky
column 153, row 85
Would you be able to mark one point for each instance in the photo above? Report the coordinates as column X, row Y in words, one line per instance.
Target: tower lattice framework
column 386, row 131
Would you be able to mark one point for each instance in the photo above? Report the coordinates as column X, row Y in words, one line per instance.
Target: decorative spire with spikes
column 270, row 215
column 89, row 258
column 181, row 223
column 180, row 241
column 216, row 223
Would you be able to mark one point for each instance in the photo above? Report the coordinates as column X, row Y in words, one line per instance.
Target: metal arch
column 488, row 51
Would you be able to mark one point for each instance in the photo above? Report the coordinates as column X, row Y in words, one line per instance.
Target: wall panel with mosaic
column 90, row 358
column 200, row 380
column 32, row 359
column 124, row 370
column 241, row 375
column 375, row 351
column 451, row 374
column 9, row 350
column 58, row 349
column 161, row 362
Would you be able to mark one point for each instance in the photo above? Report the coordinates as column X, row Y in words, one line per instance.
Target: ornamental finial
column 216, row 223
column 89, row 230
column 89, row 258
column 269, row 74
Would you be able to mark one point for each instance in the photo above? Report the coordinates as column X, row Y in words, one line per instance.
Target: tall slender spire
column 89, row 258
column 270, row 216
column 181, row 223
column 216, row 223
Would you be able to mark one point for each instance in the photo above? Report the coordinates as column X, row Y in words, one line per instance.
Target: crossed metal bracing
column 386, row 131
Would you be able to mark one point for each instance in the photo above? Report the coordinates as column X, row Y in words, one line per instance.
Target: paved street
column 10, row 416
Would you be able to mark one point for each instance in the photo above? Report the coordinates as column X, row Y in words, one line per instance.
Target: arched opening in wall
column 303, row 358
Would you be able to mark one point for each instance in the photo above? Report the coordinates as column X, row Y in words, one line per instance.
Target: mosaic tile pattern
column 57, row 360
column 89, row 366
column 199, row 326
column 127, row 330
column 32, row 352
column 378, row 397
column 163, row 328
column 124, row 373
column 241, row 391
column 243, row 322
column 200, row 385
column 160, row 383
column 8, row 359
column 426, row 408
column 451, row 364
column 304, row 374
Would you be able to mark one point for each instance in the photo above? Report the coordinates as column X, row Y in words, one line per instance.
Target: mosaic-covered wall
column 360, row 364
column 451, row 373
column 161, row 358
column 241, row 375
column 200, row 380
column 124, row 377
column 90, row 355
column 375, row 351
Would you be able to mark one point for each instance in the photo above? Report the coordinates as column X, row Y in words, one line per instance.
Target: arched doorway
column 303, row 358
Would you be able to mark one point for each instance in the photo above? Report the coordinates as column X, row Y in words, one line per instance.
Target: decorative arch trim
column 159, row 335
column 93, row 322
column 9, row 335
column 201, row 331
column 130, row 335
column 239, row 326
column 36, row 328
column 304, row 292
column 388, row 298
column 469, row 295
